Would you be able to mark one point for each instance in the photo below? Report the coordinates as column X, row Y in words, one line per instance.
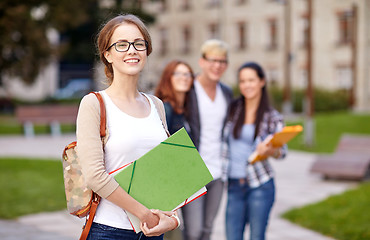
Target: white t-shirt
column 129, row 139
column 212, row 115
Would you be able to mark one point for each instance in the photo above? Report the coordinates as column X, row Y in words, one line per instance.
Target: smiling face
column 250, row 84
column 181, row 79
column 130, row 62
column 213, row 66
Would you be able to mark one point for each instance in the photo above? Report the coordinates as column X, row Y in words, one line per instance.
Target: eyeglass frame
column 129, row 45
column 183, row 74
column 213, row 61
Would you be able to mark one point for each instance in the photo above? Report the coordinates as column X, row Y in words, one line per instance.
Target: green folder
column 167, row 175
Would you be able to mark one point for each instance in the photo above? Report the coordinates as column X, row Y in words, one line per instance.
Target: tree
column 81, row 39
column 24, row 26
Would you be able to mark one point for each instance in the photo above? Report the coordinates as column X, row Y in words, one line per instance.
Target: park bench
column 53, row 115
column 351, row 159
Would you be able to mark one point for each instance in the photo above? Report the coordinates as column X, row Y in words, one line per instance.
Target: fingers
column 160, row 213
column 265, row 149
column 157, row 212
column 165, row 224
column 150, row 232
column 144, row 228
column 168, row 213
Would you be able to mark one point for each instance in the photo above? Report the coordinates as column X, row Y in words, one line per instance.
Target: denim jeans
column 103, row 232
column 247, row 205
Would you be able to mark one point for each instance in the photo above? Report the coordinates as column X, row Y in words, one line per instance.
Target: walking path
column 295, row 187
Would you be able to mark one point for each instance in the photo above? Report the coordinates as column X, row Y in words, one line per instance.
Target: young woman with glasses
column 134, row 128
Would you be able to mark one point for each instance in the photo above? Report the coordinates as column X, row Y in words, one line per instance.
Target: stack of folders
column 277, row 140
column 169, row 176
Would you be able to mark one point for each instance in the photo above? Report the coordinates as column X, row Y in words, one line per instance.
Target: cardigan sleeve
column 272, row 122
column 278, row 125
column 90, row 148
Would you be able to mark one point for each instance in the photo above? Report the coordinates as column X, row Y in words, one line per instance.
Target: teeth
column 132, row 61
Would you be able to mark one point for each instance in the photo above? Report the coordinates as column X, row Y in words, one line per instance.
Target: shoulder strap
column 162, row 115
column 95, row 198
column 94, row 205
column 103, row 118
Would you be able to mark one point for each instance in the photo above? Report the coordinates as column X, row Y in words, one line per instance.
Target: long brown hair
column 165, row 89
column 263, row 106
column 105, row 34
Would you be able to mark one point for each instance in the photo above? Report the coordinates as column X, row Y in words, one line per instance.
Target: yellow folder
column 277, row 140
column 166, row 176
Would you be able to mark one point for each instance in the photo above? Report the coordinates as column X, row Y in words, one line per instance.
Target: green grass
column 10, row 126
column 30, row 186
column 328, row 129
column 343, row 217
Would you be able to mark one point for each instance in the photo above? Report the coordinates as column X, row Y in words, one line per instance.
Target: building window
column 138, row 4
column 343, row 77
column 214, row 30
column 163, row 46
column 345, row 20
column 272, row 34
column 272, row 76
column 186, row 36
column 304, row 24
column 185, row 5
column 303, row 77
column 240, row 2
column 163, row 5
column 242, row 35
column 213, row 3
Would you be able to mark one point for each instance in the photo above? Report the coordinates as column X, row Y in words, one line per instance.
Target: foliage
column 342, row 217
column 324, row 100
column 328, row 129
column 276, row 97
column 24, row 26
column 31, row 186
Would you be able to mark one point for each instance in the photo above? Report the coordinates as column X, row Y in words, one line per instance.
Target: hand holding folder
column 167, row 177
column 277, row 140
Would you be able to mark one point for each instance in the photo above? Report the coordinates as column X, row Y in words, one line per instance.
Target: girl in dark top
column 176, row 80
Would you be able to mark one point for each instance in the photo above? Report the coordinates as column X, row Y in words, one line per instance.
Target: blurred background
column 46, row 45
column 316, row 54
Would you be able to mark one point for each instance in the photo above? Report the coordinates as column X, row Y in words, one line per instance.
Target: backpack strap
column 95, row 197
column 162, row 114
column 94, row 205
column 103, row 118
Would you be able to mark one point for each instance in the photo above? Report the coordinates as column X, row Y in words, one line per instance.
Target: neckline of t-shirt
column 126, row 114
column 199, row 87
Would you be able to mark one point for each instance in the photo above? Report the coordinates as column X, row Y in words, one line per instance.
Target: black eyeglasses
column 124, row 46
column 213, row 61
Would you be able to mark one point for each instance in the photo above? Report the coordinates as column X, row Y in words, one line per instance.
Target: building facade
column 273, row 33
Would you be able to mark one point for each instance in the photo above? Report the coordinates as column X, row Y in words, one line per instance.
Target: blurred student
column 206, row 111
column 134, row 128
column 251, row 189
column 176, row 80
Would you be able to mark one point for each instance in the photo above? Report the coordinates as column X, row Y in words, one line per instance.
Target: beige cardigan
column 90, row 147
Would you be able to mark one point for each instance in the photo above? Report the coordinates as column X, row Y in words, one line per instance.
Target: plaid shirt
column 261, row 171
